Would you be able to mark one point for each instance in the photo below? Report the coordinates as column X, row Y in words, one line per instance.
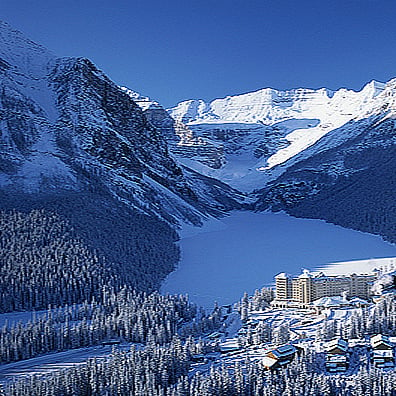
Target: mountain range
column 70, row 134
column 313, row 153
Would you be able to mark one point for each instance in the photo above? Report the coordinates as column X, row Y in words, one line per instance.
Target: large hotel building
column 308, row 287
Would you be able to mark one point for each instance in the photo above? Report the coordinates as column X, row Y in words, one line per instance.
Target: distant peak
column 375, row 86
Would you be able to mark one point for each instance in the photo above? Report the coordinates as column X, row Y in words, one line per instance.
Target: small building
column 269, row 363
column 383, row 358
column 279, row 357
column 338, row 346
column 338, row 302
column 334, row 302
column 336, row 363
column 230, row 345
column 382, row 355
column 358, row 302
column 381, row 342
column 337, row 359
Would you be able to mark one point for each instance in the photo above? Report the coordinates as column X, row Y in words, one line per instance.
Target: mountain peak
column 374, row 87
column 23, row 54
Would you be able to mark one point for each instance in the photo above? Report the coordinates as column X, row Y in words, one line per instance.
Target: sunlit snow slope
column 258, row 133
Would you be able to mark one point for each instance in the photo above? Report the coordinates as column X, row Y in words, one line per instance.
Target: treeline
column 164, row 371
column 127, row 316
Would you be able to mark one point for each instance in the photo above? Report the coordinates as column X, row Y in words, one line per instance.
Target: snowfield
column 245, row 250
column 48, row 363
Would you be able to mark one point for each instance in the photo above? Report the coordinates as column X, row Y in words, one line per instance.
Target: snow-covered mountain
column 259, row 133
column 314, row 153
column 65, row 126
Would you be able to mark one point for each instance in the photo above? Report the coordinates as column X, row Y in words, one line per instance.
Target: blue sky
column 176, row 50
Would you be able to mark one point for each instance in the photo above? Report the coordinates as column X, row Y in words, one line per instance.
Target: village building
column 338, row 302
column 302, row 291
column 338, row 346
column 337, row 359
column 381, row 342
column 383, row 358
column 279, row 357
column 382, row 355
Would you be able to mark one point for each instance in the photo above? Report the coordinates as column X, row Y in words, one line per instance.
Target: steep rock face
column 106, row 135
column 65, row 126
column 182, row 141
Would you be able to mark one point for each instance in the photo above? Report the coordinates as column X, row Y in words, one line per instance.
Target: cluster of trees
column 102, row 238
column 259, row 301
column 164, row 371
column 43, row 262
column 128, row 316
column 47, row 258
column 363, row 200
column 380, row 319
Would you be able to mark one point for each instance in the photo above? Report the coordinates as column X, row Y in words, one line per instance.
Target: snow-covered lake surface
column 245, row 250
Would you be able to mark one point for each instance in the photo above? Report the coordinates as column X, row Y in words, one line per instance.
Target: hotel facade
column 301, row 291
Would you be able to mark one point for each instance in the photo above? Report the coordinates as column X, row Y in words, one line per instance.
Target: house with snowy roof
column 382, row 354
column 337, row 359
column 337, row 363
column 280, row 357
column 334, row 302
column 381, row 342
column 337, row 302
column 338, row 346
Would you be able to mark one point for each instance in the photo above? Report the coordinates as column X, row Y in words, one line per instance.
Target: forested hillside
column 363, row 201
column 57, row 250
column 165, row 371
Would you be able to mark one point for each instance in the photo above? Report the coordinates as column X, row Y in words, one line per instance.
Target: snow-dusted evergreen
column 132, row 373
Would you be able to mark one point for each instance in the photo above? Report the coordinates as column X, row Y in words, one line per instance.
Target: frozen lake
column 245, row 250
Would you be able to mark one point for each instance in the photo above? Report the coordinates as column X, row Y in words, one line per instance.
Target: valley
column 97, row 184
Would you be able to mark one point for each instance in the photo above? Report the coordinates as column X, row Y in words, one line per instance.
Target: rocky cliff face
column 182, row 141
column 65, row 126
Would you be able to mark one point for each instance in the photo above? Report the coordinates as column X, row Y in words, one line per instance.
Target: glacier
column 262, row 133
